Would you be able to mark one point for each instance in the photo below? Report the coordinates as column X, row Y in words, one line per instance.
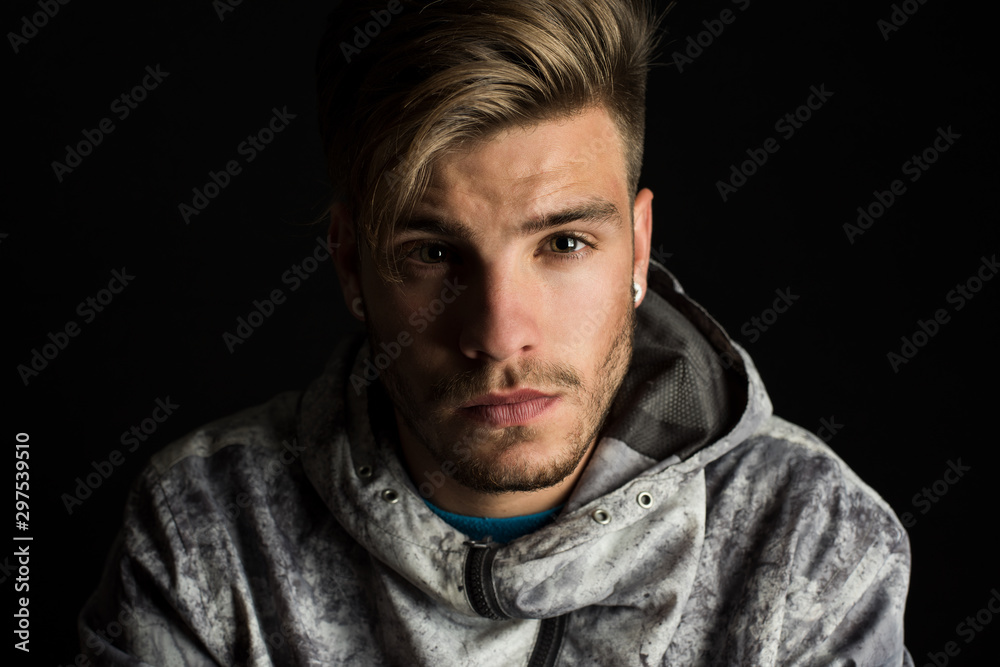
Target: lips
column 518, row 396
column 510, row 409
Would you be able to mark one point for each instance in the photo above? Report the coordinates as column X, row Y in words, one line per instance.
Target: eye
column 430, row 253
column 567, row 244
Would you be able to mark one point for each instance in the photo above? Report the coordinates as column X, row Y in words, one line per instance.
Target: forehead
column 526, row 171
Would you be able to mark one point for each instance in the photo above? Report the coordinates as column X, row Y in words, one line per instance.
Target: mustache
column 466, row 385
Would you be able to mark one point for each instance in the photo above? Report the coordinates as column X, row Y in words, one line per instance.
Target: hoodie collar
column 683, row 360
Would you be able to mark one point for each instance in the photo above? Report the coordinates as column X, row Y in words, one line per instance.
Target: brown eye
column 565, row 244
column 432, row 254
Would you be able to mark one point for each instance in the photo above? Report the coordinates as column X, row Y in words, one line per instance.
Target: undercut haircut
column 401, row 83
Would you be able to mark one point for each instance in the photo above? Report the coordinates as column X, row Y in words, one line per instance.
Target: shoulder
column 805, row 547
column 785, row 465
column 219, row 481
column 259, row 429
column 207, row 518
column 785, row 499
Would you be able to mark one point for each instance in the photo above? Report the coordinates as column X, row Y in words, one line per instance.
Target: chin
column 517, row 459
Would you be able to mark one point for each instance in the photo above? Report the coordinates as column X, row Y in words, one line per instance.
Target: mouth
column 509, row 409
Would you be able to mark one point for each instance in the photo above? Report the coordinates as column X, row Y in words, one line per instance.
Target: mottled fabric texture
column 705, row 531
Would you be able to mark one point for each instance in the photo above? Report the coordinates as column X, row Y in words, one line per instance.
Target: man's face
column 518, row 272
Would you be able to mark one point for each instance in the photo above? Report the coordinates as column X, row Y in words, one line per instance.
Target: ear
column 342, row 243
column 642, row 215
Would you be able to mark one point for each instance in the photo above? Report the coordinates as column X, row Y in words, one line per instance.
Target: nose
column 502, row 315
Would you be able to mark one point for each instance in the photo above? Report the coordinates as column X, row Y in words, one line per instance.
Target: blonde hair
column 399, row 89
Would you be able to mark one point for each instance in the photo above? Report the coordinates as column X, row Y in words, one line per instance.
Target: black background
column 826, row 358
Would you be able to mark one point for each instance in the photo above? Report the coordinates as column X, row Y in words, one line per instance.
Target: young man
column 542, row 452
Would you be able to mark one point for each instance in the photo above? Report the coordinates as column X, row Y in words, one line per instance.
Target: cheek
column 413, row 337
column 390, row 312
column 583, row 334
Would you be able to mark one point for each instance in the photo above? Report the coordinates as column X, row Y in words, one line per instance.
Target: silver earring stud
column 637, row 292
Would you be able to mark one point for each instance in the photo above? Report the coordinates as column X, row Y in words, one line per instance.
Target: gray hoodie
column 704, row 531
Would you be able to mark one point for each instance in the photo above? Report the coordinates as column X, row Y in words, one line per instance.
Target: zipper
column 479, row 579
column 483, row 597
column 550, row 637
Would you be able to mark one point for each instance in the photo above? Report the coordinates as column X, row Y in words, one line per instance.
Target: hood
column 691, row 394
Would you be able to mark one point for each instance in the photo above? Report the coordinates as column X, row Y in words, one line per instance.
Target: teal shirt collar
column 501, row 530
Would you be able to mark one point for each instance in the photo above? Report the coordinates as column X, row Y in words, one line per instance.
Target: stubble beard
column 484, row 458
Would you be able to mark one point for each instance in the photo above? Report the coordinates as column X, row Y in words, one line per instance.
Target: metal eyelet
column 644, row 499
column 390, row 496
column 601, row 516
column 364, row 471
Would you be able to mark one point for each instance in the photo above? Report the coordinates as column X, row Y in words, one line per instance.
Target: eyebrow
column 596, row 211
